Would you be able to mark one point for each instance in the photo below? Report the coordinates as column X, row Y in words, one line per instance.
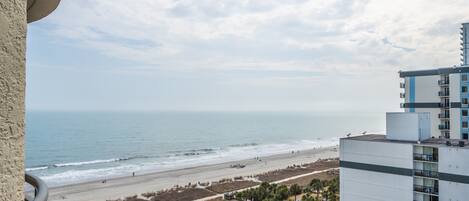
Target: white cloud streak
column 301, row 35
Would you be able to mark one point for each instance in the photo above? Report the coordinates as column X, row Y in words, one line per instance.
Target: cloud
column 327, row 36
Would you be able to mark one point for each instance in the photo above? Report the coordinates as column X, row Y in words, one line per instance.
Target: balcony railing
column 425, row 157
column 443, row 127
column 41, row 192
column 443, row 82
column 443, row 116
column 444, row 105
column 426, row 173
column 426, row 189
column 443, row 93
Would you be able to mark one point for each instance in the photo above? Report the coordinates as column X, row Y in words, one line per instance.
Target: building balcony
column 426, row 189
column 443, row 116
column 443, row 93
column 443, row 82
column 402, row 95
column 402, row 85
column 444, row 105
column 426, row 173
column 443, row 127
column 41, row 192
column 425, row 157
column 427, row 197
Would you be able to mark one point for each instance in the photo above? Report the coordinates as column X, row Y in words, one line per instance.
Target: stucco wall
column 12, row 92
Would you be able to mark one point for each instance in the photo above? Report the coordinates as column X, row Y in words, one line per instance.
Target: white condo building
column 424, row 155
column 405, row 164
column 442, row 92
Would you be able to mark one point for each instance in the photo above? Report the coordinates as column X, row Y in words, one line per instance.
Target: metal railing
column 443, row 127
column 425, row 157
column 41, row 192
column 426, row 173
column 443, row 82
column 426, row 189
column 443, row 116
column 443, row 93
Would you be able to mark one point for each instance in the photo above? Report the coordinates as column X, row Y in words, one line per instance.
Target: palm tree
column 317, row 186
column 295, row 190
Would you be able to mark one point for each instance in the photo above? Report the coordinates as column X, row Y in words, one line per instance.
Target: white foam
column 36, row 168
column 87, row 162
column 227, row 154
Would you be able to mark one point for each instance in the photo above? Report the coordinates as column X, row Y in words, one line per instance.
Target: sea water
column 72, row 147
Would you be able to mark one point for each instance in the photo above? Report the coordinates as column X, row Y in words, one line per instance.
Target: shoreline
column 128, row 185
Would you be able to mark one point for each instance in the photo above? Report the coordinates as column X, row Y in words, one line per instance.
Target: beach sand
column 128, row 186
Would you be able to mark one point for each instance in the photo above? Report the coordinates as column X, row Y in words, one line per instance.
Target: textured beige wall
column 12, row 86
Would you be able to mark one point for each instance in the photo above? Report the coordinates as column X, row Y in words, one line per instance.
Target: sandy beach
column 127, row 186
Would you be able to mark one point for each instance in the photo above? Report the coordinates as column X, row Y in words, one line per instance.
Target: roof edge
column 38, row 9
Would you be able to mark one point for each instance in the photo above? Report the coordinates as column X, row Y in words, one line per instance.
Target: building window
column 464, row 124
column 464, row 89
column 464, row 101
column 465, row 136
column 464, row 77
column 464, row 113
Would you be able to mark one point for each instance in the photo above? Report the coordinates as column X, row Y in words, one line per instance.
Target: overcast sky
column 276, row 55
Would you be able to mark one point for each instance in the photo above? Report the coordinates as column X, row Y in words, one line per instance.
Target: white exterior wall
column 360, row 185
column 407, row 126
column 452, row 191
column 455, row 123
column 434, row 120
column 427, row 88
column 453, row 160
column 426, row 91
column 378, row 153
column 455, row 113
column 455, row 87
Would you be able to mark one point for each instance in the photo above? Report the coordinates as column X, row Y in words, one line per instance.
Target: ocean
column 72, row 147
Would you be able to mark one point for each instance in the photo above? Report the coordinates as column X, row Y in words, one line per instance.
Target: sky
column 236, row 55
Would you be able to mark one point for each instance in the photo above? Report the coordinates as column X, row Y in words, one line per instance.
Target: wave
column 88, row 162
column 81, row 163
column 194, row 152
column 244, row 145
column 177, row 160
column 36, row 168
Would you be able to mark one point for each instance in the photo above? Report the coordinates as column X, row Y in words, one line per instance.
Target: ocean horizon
column 74, row 147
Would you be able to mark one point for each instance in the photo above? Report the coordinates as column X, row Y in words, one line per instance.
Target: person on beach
column 133, row 174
